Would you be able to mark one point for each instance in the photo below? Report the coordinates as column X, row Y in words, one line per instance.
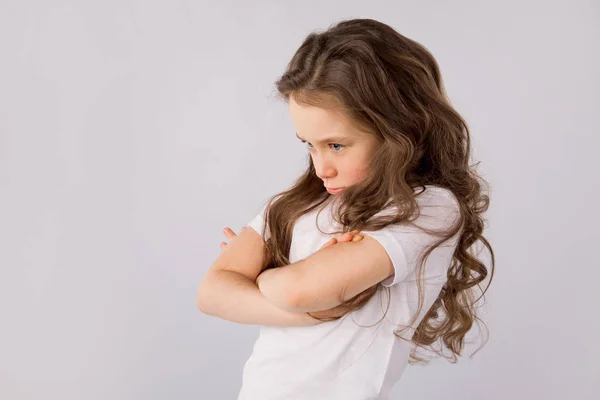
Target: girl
column 341, row 316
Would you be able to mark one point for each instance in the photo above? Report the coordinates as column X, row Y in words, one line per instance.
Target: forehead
column 316, row 124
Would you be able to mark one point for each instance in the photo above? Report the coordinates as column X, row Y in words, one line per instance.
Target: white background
column 132, row 132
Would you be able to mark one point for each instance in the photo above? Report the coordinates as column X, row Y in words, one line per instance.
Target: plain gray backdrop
column 133, row 132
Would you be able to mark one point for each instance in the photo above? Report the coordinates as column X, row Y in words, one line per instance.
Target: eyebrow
column 331, row 139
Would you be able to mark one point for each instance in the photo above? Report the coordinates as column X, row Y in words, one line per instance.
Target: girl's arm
column 229, row 291
column 234, row 297
column 232, row 293
column 328, row 277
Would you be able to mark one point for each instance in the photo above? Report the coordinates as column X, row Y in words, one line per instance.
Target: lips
column 334, row 190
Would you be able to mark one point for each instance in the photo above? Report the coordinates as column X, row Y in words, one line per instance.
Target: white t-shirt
column 341, row 359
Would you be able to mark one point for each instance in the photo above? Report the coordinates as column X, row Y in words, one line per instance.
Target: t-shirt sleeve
column 405, row 243
column 257, row 223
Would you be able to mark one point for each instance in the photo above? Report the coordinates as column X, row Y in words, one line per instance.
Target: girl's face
column 340, row 154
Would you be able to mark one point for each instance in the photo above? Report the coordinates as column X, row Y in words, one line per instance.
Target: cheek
column 358, row 170
column 356, row 173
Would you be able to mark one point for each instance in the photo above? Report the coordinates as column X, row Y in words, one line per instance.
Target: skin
column 353, row 236
column 341, row 162
column 340, row 154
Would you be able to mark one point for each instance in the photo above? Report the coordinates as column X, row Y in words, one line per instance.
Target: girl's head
column 382, row 91
column 371, row 106
column 340, row 153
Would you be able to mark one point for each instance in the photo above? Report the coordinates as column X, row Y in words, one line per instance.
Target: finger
column 330, row 242
column 223, row 245
column 229, row 233
column 357, row 238
column 345, row 237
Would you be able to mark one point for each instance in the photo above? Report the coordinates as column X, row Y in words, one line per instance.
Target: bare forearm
column 277, row 286
column 233, row 297
column 280, row 287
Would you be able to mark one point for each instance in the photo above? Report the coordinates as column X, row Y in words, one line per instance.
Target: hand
column 230, row 235
column 353, row 236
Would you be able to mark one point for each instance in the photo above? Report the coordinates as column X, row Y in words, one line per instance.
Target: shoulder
column 436, row 195
column 438, row 203
column 434, row 203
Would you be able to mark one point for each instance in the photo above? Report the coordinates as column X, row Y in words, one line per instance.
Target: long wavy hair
column 389, row 86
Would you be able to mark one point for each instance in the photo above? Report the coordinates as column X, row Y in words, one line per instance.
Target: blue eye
column 337, row 150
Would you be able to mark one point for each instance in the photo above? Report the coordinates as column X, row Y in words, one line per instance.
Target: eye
column 304, row 141
column 336, row 149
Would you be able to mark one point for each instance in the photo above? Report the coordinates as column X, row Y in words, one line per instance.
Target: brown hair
column 389, row 86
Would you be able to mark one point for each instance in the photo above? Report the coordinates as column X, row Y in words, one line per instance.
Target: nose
column 324, row 168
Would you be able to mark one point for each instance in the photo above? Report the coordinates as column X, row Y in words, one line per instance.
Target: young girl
column 388, row 169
